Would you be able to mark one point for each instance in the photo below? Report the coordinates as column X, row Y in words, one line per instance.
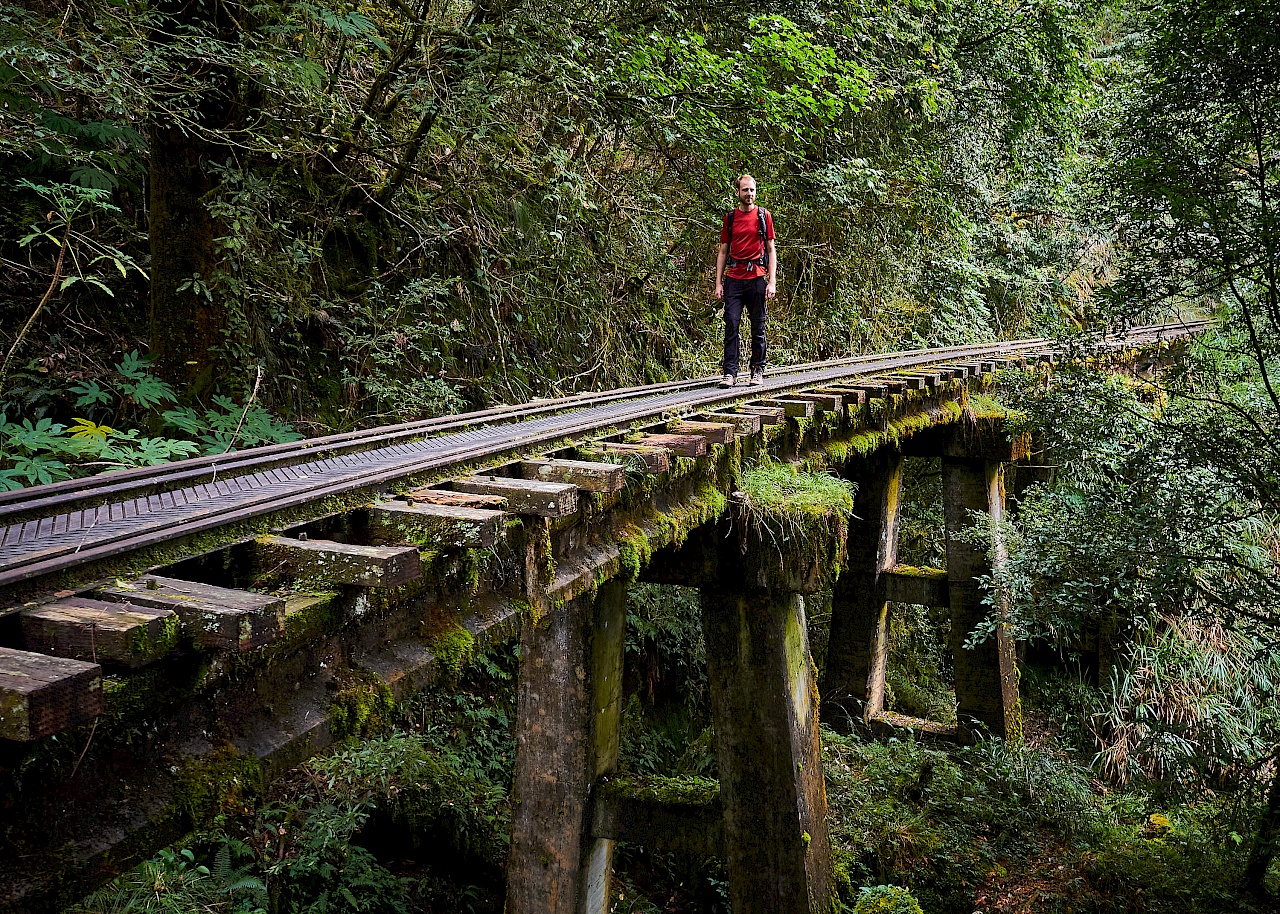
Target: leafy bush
column 176, row 883
column 886, row 899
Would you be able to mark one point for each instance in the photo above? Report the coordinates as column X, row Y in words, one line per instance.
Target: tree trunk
column 188, row 316
column 1264, row 846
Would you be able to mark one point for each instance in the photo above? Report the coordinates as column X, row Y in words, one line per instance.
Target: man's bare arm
column 772, row 288
column 720, row 259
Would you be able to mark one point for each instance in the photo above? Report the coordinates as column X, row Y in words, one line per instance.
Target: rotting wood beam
column 340, row 563
column 218, row 618
column 525, row 496
column 588, row 476
column 714, row 432
column 79, row 628
column 769, row 415
column 795, row 409
column 653, row 459
column 822, row 402
column 743, row 423
column 400, row 524
column 680, row 445
column 449, row 498
column 41, row 695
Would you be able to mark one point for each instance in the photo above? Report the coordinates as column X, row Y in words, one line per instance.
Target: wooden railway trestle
column 198, row 623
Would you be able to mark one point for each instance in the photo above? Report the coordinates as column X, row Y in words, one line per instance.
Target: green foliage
column 886, row 899
column 177, row 883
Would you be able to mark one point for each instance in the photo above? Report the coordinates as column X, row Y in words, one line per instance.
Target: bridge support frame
column 764, row 710
column 987, row 674
column 567, row 732
column 858, row 645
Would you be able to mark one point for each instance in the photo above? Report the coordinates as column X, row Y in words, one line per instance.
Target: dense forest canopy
column 228, row 223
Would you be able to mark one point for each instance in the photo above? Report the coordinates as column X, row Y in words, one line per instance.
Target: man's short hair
column 737, row 185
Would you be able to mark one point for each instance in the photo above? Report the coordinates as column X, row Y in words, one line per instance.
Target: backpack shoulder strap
column 728, row 223
column 761, row 212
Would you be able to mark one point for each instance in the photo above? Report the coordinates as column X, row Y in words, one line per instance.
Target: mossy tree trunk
column 188, row 320
column 1264, row 847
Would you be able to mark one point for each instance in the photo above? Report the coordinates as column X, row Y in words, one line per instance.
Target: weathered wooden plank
column 400, row 523
column 341, row 563
column 653, row 459
column 42, row 695
column 887, row 723
column 681, row 445
column 83, row 629
column 449, row 498
column 800, row 409
column 769, row 415
column 912, row 381
column 852, row 396
column 525, row 496
column 823, row 402
column 714, row 432
column 924, row 586
column 588, row 476
column 875, row 391
column 893, row 385
column 743, row 423
column 218, row 618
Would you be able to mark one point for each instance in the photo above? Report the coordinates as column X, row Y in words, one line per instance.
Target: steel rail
column 49, row 560
column 149, row 480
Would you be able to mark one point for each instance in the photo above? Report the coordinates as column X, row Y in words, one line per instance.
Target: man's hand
column 771, row 290
column 719, row 291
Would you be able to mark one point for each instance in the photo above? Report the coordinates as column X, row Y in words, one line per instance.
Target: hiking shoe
column 729, row 380
column 757, row 377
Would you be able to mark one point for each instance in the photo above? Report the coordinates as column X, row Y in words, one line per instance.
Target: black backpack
column 763, row 259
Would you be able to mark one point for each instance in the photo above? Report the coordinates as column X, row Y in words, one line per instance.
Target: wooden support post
column 569, row 707
column 858, row 646
column 84, row 629
column 340, row 563
column 987, row 675
column 212, row 617
column 399, row 523
column 42, row 695
column 525, row 496
column 777, row 849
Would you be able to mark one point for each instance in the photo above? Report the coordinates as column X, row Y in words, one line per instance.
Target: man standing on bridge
column 746, row 247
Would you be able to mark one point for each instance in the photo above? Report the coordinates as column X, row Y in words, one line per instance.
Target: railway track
column 49, row 529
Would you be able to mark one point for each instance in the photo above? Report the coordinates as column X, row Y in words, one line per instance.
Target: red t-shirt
column 746, row 243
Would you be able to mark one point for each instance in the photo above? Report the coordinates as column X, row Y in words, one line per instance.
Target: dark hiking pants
column 739, row 295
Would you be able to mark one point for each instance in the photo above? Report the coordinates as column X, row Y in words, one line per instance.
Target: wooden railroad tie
column 217, row 618
column 447, row 498
column 42, row 695
column 822, row 402
column 769, row 415
column 680, row 445
column 921, row 586
column 799, row 409
column 341, row 563
column 399, row 523
column 852, row 396
column 743, row 423
column 714, row 432
column 525, row 496
column 83, row 629
column 586, row 475
column 653, row 459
